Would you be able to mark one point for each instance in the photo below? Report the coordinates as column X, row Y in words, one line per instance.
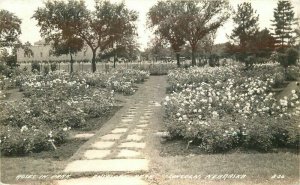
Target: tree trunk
column 178, row 59
column 94, row 61
column 115, row 58
column 71, row 63
column 193, row 57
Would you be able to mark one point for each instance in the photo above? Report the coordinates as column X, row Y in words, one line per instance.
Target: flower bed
column 56, row 103
column 121, row 81
column 225, row 107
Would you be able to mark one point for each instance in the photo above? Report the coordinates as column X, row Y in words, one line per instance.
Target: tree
column 164, row 18
column 68, row 46
column 9, row 29
column 200, row 18
column 189, row 21
column 262, row 44
column 26, row 48
column 10, row 60
column 126, row 48
column 99, row 29
column 246, row 27
column 283, row 24
column 205, row 45
column 156, row 48
column 297, row 32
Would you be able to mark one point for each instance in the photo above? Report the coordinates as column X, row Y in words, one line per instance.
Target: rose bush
column 55, row 103
column 224, row 107
column 121, row 80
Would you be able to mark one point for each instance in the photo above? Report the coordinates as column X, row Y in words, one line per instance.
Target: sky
column 24, row 9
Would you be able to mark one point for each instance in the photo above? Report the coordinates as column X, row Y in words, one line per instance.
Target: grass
column 259, row 168
column 50, row 162
column 46, row 162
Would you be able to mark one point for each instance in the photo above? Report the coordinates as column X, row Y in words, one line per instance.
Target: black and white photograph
column 149, row 92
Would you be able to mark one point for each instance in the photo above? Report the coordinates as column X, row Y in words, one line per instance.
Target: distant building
column 42, row 52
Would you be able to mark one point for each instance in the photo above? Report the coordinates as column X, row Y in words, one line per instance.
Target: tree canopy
column 164, row 18
column 108, row 23
column 246, row 22
column 283, row 23
column 190, row 21
column 10, row 29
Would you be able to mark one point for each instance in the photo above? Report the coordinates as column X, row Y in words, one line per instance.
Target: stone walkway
column 118, row 155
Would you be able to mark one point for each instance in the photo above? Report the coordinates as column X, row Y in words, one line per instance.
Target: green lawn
column 43, row 163
column 174, row 165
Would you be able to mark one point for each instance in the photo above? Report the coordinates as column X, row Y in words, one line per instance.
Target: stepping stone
column 96, row 154
column 132, row 145
column 111, row 165
column 162, row 134
column 137, row 130
column 103, row 144
column 157, row 104
column 84, row 136
column 128, row 153
column 134, row 137
column 111, row 137
column 144, row 121
column 142, row 126
column 119, row 130
column 101, row 180
column 128, row 116
column 126, row 120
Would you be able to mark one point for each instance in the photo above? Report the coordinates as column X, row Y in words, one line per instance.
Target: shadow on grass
column 178, row 147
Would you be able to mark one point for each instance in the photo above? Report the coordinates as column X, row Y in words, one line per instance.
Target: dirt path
column 120, row 152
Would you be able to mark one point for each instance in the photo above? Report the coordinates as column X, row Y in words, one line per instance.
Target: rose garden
column 173, row 114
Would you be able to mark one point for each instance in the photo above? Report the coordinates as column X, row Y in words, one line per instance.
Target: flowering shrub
column 99, row 104
column 122, row 80
column 20, row 141
column 56, row 102
column 224, row 107
column 53, row 104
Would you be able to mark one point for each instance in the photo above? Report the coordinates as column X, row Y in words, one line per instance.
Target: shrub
column 222, row 108
column 292, row 56
column 293, row 73
column 213, row 60
column 56, row 102
column 46, row 69
column 15, row 141
column 35, row 66
column 258, row 135
column 53, row 66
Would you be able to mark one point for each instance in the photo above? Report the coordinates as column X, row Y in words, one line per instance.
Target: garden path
column 118, row 153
